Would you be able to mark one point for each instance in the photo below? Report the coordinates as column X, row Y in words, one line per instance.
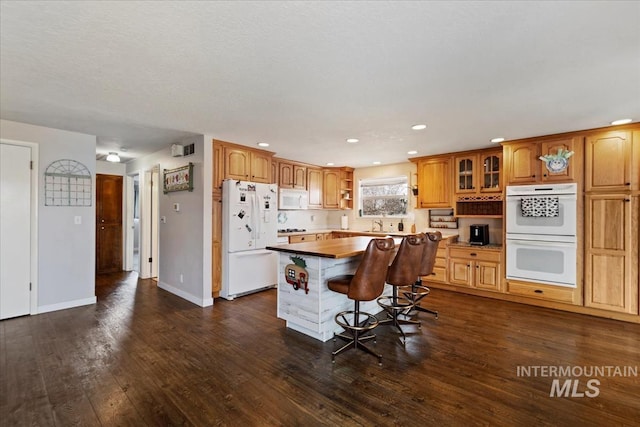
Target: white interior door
column 15, row 229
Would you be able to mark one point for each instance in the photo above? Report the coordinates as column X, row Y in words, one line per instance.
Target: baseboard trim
column 65, row 305
column 202, row 302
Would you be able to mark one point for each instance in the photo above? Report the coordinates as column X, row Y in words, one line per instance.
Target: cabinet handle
column 473, row 254
column 538, row 291
column 433, row 274
column 627, row 200
column 533, row 176
column 627, row 183
column 544, row 175
column 477, row 266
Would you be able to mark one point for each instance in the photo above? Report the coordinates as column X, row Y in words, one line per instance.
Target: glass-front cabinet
column 478, row 173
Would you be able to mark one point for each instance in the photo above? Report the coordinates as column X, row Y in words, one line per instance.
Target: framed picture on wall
column 178, row 179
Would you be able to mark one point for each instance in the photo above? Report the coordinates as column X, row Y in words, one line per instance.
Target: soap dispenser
column 400, row 226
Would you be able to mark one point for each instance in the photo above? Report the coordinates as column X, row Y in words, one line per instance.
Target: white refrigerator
column 249, row 224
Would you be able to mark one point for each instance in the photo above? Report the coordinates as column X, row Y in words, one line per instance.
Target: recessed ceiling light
column 621, row 122
column 352, row 140
column 330, row 164
column 497, row 139
column 412, row 152
column 376, row 163
column 263, row 144
column 418, row 127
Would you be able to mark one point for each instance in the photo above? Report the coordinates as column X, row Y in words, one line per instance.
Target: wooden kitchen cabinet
column 611, row 252
column 247, row 165
column 434, row 181
column 523, row 165
column 292, row 175
column 346, row 188
column 216, row 248
column 478, row 172
column 475, row 267
column 314, row 187
column 331, row 189
column 439, row 273
column 608, row 162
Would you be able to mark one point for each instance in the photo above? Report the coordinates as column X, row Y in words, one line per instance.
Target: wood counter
column 304, row 299
column 332, row 248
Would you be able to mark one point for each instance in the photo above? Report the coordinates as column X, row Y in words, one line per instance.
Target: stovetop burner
column 291, row 230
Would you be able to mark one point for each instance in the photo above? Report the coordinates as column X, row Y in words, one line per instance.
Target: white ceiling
column 304, row 76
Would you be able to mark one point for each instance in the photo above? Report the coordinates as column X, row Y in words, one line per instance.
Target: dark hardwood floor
column 142, row 356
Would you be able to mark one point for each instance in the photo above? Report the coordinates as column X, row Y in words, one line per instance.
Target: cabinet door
column 460, row 272
column 331, row 189
column 236, row 163
column 314, row 181
column 434, row 176
column 490, row 172
column 218, row 169
column 611, row 252
column 487, row 275
column 216, row 248
column 260, row 167
column 285, row 175
column 608, row 162
column 552, row 148
column 299, row 177
column 523, row 163
column 465, row 174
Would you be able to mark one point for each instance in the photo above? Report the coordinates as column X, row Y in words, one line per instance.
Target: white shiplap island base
column 313, row 313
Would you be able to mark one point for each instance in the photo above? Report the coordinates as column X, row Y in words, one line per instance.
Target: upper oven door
column 564, row 224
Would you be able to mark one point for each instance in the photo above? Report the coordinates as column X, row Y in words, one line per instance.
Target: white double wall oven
column 541, row 238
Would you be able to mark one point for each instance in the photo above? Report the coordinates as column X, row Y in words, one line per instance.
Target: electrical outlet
column 181, row 278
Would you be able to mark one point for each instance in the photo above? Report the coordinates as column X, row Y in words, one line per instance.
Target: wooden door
column 523, row 163
column 331, row 189
column 216, row 248
column 260, row 167
column 236, row 163
column 552, row 148
column 464, row 171
column 314, row 181
column 285, row 175
column 108, row 223
column 608, row 162
column 434, row 177
column 611, row 249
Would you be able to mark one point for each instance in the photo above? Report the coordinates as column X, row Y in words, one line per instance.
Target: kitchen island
column 304, row 300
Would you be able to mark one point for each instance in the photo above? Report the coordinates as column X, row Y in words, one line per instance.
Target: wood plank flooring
column 142, row 356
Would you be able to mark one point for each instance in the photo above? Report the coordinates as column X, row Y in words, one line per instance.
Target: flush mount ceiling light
column 352, row 140
column 412, row 152
column 376, row 163
column 418, row 127
column 263, row 144
column 330, row 164
column 621, row 122
column 113, row 157
column 497, row 139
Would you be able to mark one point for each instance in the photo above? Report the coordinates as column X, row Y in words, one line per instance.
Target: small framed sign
column 178, row 179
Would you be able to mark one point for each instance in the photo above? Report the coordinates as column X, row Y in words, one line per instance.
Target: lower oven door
column 552, row 263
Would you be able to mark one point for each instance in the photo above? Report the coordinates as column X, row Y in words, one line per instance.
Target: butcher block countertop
column 332, row 248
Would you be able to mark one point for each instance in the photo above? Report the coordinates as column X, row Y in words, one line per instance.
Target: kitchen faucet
column 379, row 222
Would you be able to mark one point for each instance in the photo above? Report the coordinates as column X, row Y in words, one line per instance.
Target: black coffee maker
column 479, row 234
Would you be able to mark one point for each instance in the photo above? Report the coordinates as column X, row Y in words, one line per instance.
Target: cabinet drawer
column 556, row 293
column 441, row 252
column 480, row 254
column 303, row 238
column 439, row 274
column 440, row 262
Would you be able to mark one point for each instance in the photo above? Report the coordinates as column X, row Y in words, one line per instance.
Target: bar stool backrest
column 405, row 267
column 368, row 282
column 429, row 253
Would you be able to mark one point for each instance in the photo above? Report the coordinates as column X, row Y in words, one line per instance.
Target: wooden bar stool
column 366, row 284
column 403, row 272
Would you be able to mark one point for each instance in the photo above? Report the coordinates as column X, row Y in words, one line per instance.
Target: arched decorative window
column 67, row 183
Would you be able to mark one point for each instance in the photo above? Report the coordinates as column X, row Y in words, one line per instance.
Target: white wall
column 66, row 251
column 110, row 168
column 185, row 238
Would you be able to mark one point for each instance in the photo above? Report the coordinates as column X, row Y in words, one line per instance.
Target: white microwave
column 293, row 199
